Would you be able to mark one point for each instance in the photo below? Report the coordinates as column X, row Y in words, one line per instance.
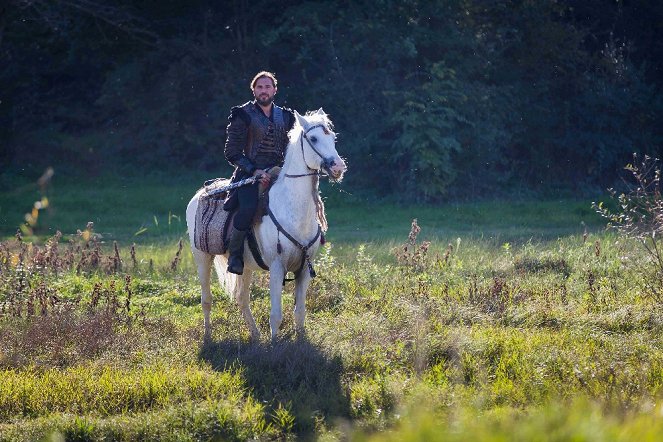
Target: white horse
column 290, row 236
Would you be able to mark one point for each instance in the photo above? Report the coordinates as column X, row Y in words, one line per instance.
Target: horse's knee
column 244, row 307
column 275, row 321
column 242, row 300
column 277, row 317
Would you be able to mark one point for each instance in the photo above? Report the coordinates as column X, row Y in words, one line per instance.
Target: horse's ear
column 301, row 120
column 320, row 112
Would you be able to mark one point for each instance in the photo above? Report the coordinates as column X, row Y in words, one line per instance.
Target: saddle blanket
column 212, row 221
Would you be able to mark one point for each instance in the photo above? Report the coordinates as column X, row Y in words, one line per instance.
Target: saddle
column 214, row 222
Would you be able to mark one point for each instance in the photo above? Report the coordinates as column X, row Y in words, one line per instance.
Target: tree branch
column 55, row 15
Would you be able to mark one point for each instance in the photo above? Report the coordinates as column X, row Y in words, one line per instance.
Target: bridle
column 327, row 163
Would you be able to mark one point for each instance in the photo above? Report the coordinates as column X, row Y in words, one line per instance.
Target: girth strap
column 255, row 250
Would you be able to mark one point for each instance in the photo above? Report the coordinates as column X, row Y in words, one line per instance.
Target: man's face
column 264, row 91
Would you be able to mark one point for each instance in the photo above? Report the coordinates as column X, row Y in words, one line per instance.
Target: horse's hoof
column 207, row 337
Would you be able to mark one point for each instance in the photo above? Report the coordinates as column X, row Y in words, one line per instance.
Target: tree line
column 431, row 99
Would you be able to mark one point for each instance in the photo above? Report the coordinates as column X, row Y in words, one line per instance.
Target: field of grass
column 501, row 321
column 151, row 209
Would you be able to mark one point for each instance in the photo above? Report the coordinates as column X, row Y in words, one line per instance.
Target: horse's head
column 318, row 143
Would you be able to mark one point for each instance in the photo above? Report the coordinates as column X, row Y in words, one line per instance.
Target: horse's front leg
column 276, row 275
column 301, row 286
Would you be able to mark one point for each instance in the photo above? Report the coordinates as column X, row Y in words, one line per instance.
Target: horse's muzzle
column 335, row 168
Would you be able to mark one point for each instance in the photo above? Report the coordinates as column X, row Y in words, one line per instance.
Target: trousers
column 247, row 197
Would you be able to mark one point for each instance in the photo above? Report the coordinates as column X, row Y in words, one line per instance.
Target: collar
column 259, row 109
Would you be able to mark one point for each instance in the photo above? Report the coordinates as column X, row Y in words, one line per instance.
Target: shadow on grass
column 295, row 374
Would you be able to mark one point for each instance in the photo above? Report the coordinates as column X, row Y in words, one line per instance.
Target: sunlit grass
column 105, row 391
column 188, row 421
column 578, row 419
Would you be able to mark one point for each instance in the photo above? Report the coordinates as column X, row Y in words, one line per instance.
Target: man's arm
column 236, row 139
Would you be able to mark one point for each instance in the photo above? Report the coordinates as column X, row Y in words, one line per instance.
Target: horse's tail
column 229, row 281
column 191, row 218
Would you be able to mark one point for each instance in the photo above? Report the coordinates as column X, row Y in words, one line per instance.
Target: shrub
column 640, row 216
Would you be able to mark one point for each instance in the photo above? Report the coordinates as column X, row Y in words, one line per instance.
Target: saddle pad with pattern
column 211, row 224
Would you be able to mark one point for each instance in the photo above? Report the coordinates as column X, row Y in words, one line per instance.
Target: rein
column 317, row 172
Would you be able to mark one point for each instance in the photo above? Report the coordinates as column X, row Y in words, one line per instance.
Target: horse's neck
column 290, row 198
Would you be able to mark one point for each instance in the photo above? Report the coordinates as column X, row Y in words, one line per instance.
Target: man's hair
column 262, row 74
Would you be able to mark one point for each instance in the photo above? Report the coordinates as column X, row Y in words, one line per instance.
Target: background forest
column 451, row 98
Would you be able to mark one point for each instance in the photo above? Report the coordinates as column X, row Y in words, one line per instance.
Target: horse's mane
column 319, row 205
column 320, row 119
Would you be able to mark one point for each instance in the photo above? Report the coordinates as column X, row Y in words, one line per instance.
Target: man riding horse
column 257, row 136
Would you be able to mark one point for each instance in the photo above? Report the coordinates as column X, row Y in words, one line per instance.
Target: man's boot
column 236, row 248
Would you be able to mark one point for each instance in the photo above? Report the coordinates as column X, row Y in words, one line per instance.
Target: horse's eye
column 314, row 139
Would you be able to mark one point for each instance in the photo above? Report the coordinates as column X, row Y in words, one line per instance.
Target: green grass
column 152, row 209
column 509, row 325
column 123, row 209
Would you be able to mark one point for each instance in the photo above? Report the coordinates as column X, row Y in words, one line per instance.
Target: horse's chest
column 291, row 256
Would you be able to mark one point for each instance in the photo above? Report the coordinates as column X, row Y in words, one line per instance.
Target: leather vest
column 267, row 140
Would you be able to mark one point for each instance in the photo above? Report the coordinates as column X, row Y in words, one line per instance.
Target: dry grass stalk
column 133, row 255
column 176, row 260
column 127, row 288
column 117, row 262
column 409, row 256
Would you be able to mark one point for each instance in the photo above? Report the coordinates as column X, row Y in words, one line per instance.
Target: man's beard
column 265, row 101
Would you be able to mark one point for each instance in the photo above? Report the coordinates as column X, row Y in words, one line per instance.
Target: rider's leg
column 248, row 202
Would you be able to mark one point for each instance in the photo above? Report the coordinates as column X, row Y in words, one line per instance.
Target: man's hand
column 264, row 176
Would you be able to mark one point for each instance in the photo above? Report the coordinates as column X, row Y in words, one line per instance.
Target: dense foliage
column 431, row 98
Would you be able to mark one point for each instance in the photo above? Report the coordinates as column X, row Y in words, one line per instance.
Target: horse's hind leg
column 242, row 296
column 204, row 263
column 301, row 285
